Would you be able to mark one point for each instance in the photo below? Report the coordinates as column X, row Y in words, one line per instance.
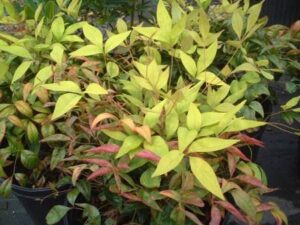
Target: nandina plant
column 166, row 138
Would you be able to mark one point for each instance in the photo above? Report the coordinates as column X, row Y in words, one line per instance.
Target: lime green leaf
column 254, row 13
column 188, row 63
column 216, row 97
column 204, row 25
column 16, row 50
column 57, row 53
column 56, row 214
column 242, row 124
column 93, row 34
column 206, row 176
column 148, row 181
column 112, row 69
column 291, row 103
column 64, row 86
column 87, row 50
column 65, row 103
column 148, row 32
column 237, row 23
column 185, row 137
column 157, row 146
column 21, row 70
column 115, row 41
column 130, row 143
column 207, row 56
column 211, row 144
column 58, row 28
column 194, row 118
column 39, row 28
column 210, row 78
column 163, row 17
column 43, row 75
column 71, row 38
column 152, row 115
column 121, row 26
column 210, row 118
column 171, row 123
column 168, row 162
column 74, row 27
column 117, row 135
column 95, row 89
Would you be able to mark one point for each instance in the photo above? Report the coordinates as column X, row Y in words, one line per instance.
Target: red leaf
column 234, row 150
column 249, row 140
column 146, row 154
column 171, row 194
column 131, row 197
column 193, row 217
column 231, row 163
column 173, row 144
column 123, row 166
column 107, row 148
column 215, row 216
column 99, row 162
column 252, row 181
column 101, row 172
column 264, row 207
column 230, row 208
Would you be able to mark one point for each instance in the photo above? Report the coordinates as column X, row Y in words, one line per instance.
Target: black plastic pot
column 38, row 202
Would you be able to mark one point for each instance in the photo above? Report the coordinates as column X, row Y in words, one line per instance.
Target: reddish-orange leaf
column 100, row 172
column 146, row 154
column 192, row 199
column 193, row 217
column 127, row 122
column 231, row 163
column 249, row 140
column 264, row 207
column 215, row 216
column 230, row 208
column 102, row 117
column 145, row 132
column 107, row 148
column 123, row 166
column 252, row 181
column 171, row 194
column 173, row 144
column 99, row 162
column 76, row 173
column 131, row 197
column 234, row 150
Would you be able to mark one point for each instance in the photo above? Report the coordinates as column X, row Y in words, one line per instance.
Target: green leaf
column 58, row 155
column 39, row 28
column 257, row 107
column 207, row 56
column 58, row 28
column 245, row 67
column 29, row 159
column 267, row 75
column 93, row 34
column 56, row 214
column 157, row 146
column 91, row 213
column 112, row 69
column 185, row 137
column 241, row 124
column 21, row 70
column 117, row 135
column 251, row 77
column 194, row 118
column 115, row 41
column 95, row 89
column 188, row 63
column 5, row 188
column 87, row 50
column 211, row 144
column 64, row 86
column 291, row 103
column 206, row 176
column 43, row 75
column 171, row 123
column 65, row 103
column 16, row 50
column 57, row 53
column 168, row 162
column 237, row 23
column 121, row 26
column 84, row 187
column 163, row 17
column 72, row 196
column 243, row 200
column 254, row 13
column 130, row 143
column 148, row 181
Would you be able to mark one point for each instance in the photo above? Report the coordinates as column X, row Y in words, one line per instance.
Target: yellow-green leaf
column 168, row 162
column 210, row 78
column 254, row 13
column 64, row 104
column 93, row 34
column 121, row 26
column 112, row 69
column 57, row 53
column 157, row 146
column 211, row 144
column 87, row 50
column 163, row 17
column 194, row 118
column 16, row 50
column 206, row 176
column 21, row 70
column 185, row 137
column 241, row 124
column 95, row 89
column 207, row 56
column 43, row 75
column 245, row 67
column 115, row 41
column 237, row 23
column 152, row 115
column 64, row 86
column 188, row 63
column 204, row 25
column 291, row 103
column 58, row 28
column 171, row 123
column 130, row 143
